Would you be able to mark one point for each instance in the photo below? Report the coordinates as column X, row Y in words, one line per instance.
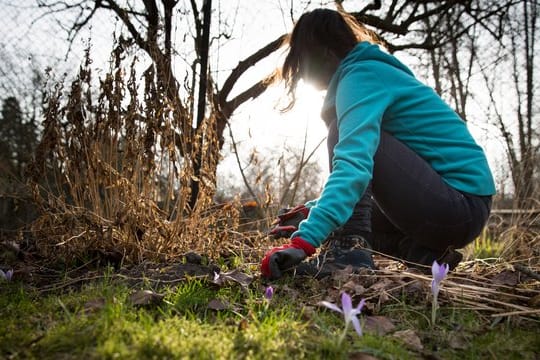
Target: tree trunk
column 203, row 81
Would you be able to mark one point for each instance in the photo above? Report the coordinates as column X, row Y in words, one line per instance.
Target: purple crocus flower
column 6, row 275
column 439, row 273
column 269, row 293
column 349, row 313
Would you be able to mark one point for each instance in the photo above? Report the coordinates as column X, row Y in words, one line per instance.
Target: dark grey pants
column 408, row 207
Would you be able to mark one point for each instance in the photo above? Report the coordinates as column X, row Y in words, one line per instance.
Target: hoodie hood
column 363, row 51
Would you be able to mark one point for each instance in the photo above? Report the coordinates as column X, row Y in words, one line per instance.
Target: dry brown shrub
column 110, row 177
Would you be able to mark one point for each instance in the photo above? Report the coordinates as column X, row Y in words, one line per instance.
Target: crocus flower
column 349, row 313
column 6, row 275
column 439, row 273
column 269, row 293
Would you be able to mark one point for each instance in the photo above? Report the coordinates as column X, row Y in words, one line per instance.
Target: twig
column 68, row 283
column 520, row 312
column 527, row 271
column 479, row 298
column 488, row 290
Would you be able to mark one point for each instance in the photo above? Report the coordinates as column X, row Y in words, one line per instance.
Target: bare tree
column 500, row 57
column 149, row 25
column 519, row 127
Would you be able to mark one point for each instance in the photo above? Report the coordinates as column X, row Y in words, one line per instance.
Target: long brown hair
column 320, row 33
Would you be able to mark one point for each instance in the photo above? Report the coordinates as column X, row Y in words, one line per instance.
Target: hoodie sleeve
column 361, row 101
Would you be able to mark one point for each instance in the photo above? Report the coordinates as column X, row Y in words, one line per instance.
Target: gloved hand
column 284, row 257
column 288, row 220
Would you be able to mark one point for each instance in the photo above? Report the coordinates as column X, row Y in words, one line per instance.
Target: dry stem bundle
column 113, row 169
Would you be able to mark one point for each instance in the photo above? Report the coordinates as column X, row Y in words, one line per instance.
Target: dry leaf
column 288, row 292
column 354, row 288
column 145, row 297
column 92, row 306
column 243, row 325
column 307, row 312
column 217, row 304
column 506, row 277
column 416, row 289
column 234, row 276
column 193, row 258
column 410, row 338
column 382, row 284
column 342, row 275
column 380, row 325
column 458, row 342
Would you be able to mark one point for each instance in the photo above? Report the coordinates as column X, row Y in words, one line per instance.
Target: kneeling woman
column 406, row 176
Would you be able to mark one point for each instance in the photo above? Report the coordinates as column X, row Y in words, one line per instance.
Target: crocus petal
column 356, row 324
column 361, row 305
column 437, row 271
column 446, row 269
column 331, row 306
column 346, row 303
column 9, row 274
column 3, row 274
column 435, row 268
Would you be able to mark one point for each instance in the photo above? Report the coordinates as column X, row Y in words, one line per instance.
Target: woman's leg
column 416, row 215
column 418, row 202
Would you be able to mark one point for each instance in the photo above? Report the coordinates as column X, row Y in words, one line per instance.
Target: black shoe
column 341, row 252
column 418, row 256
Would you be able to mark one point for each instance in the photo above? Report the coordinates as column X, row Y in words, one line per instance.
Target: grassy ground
column 104, row 315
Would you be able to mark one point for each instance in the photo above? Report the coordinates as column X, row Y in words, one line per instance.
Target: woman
column 407, row 177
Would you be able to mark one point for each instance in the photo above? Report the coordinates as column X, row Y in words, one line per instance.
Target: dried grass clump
column 518, row 236
column 112, row 172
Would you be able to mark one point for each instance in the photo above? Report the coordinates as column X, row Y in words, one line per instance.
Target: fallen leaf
column 354, row 288
column 383, row 284
column 288, row 292
column 410, row 338
column 234, row 276
column 307, row 312
column 342, row 275
column 506, row 277
column 243, row 325
column 383, row 298
column 92, row 306
column 458, row 342
column 380, row 325
column 415, row 289
column 193, row 258
column 145, row 297
column 217, row 304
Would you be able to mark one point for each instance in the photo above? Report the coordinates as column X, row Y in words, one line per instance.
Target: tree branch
column 245, row 65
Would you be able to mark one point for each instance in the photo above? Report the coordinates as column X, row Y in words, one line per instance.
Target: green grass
column 484, row 246
column 182, row 326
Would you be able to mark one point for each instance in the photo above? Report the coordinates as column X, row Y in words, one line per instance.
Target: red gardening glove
column 282, row 258
column 288, row 221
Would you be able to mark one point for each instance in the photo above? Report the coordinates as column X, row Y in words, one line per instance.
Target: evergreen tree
column 17, row 138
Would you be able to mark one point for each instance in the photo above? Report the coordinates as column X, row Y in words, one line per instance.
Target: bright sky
column 259, row 123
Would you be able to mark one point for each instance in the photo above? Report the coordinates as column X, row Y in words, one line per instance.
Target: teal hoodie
column 373, row 91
